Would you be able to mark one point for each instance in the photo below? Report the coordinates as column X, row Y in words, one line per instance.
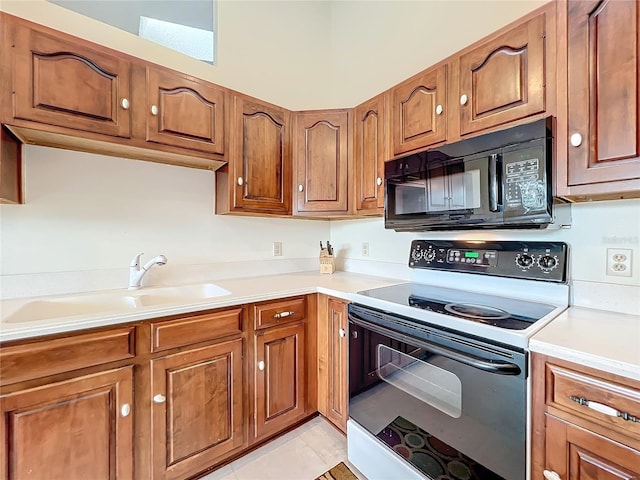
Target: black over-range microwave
column 497, row 180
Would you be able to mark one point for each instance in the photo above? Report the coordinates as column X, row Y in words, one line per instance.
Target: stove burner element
column 482, row 312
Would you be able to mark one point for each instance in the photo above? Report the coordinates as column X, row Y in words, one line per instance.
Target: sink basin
column 111, row 303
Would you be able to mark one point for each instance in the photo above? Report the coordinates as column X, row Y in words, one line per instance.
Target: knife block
column 327, row 263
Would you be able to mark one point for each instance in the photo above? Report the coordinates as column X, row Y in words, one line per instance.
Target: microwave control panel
column 524, row 181
column 529, row 260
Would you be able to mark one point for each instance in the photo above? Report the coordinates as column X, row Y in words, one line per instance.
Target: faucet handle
column 135, row 262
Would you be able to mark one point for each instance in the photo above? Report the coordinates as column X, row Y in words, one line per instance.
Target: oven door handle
column 491, row 366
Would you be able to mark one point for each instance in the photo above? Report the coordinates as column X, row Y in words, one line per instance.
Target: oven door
column 446, row 403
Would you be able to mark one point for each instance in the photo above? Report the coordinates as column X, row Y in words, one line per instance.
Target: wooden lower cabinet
column 197, row 411
column 575, row 453
column 279, row 379
column 332, row 362
column 81, row 428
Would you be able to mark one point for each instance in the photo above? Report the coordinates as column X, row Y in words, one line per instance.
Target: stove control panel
column 529, row 260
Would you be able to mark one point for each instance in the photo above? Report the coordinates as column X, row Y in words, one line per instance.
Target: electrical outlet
column 277, row 249
column 619, row 262
column 365, row 249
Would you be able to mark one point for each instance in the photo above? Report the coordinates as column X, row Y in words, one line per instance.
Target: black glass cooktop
column 493, row 310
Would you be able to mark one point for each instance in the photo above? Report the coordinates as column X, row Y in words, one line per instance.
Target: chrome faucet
column 136, row 272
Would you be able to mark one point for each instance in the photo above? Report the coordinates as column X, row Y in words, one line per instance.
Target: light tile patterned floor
column 302, row 454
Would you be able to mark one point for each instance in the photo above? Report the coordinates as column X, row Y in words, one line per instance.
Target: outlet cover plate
column 619, row 262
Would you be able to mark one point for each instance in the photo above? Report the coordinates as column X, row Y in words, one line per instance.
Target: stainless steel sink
column 110, row 303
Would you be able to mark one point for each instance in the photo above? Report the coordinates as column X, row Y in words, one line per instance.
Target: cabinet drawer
column 569, row 391
column 278, row 312
column 197, row 328
column 49, row 357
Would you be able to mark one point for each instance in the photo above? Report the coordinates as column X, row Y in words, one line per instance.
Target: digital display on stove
column 471, row 254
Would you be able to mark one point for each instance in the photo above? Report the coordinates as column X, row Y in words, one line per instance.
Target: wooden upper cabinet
column 68, row 84
column 603, row 95
column 370, row 153
column 258, row 179
column 503, row 79
column 75, row 429
column 197, row 408
column 419, row 111
column 184, row 112
column 321, row 149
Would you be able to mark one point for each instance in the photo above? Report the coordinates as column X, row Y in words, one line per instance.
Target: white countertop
column 243, row 290
column 596, row 338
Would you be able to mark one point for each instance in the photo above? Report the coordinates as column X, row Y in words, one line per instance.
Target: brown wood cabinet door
column 184, row 112
column 321, row 152
column 603, row 96
column 369, row 146
column 69, row 84
column 75, row 429
column 419, row 111
column 578, row 454
column 197, row 408
column 260, row 157
column 337, row 396
column 503, row 79
column 280, row 390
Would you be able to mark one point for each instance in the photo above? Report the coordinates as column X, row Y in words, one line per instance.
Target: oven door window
column 430, row 384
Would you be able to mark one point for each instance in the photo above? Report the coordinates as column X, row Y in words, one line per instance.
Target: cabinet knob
column 261, row 365
column 125, row 410
column 439, row 110
column 240, row 181
column 342, row 332
column 154, row 110
column 354, row 334
column 576, row 140
column 159, row 398
column 301, row 188
column 124, row 103
column 463, row 99
column 551, row 475
column 378, row 181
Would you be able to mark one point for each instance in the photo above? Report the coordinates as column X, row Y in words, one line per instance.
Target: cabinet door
column 321, row 159
column 68, row 84
column 603, row 96
column 419, row 117
column 578, row 454
column 337, row 396
column 184, row 112
column 197, row 408
column 260, row 158
column 75, row 429
column 503, row 79
column 280, row 393
column 369, row 146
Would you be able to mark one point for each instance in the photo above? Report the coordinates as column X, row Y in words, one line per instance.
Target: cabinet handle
column 283, row 314
column 240, row 181
column 154, row 110
column 439, row 109
column 124, row 103
column 342, row 332
column 551, row 475
column 604, row 409
column 261, row 365
column 463, row 99
column 159, row 398
column 301, row 188
column 125, row 410
column 378, row 181
column 576, row 140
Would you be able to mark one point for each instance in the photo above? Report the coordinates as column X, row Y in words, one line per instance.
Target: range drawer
column 268, row 314
column 49, row 357
column 178, row 332
column 593, row 398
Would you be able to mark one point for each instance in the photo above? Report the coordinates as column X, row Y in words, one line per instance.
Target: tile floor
column 302, row 454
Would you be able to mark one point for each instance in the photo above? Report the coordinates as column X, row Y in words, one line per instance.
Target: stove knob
column 524, row 260
column 429, row 255
column 416, row 254
column 547, row 262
